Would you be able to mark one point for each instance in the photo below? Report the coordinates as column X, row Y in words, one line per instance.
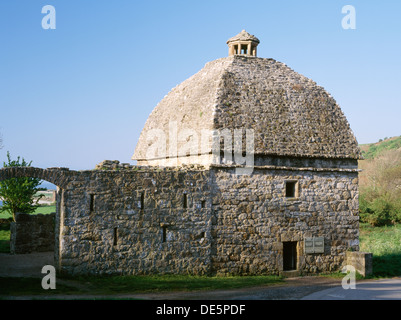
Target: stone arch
column 57, row 176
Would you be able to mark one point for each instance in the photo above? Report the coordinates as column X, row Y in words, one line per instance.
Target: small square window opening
column 291, row 189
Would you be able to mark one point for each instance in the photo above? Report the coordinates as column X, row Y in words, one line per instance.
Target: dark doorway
column 289, row 256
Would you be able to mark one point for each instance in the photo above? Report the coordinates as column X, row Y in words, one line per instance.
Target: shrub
column 380, row 188
column 379, row 211
column 18, row 194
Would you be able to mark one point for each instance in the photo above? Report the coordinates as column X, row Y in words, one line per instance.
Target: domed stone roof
column 290, row 114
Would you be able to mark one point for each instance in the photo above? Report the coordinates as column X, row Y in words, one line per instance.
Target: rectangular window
column 291, row 189
column 142, row 201
column 164, row 234
column 203, row 204
column 115, row 236
column 91, row 202
column 185, row 201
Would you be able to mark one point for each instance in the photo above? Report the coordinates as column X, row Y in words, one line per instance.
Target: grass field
column 132, row 284
column 4, row 238
column 40, row 210
column 372, row 150
column 385, row 244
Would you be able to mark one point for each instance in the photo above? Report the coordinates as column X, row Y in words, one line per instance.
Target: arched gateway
column 57, row 176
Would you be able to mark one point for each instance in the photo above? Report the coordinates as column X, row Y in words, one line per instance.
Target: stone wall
column 253, row 218
column 136, row 221
column 123, row 219
column 32, row 233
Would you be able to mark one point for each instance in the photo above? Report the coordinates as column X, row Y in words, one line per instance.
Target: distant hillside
column 380, row 182
column 372, row 150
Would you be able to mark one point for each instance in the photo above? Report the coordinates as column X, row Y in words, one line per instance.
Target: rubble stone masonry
column 121, row 219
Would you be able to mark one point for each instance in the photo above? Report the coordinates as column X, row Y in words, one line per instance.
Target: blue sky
column 80, row 94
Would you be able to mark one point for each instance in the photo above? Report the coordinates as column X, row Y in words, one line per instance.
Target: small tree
column 18, row 194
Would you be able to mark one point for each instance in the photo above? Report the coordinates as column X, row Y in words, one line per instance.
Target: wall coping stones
column 225, row 166
column 115, row 165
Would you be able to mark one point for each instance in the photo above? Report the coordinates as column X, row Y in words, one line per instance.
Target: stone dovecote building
column 185, row 209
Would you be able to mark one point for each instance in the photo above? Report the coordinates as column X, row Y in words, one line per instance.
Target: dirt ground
column 24, row 265
column 291, row 289
column 30, row 265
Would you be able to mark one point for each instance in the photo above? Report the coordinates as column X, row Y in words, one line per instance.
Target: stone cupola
column 243, row 44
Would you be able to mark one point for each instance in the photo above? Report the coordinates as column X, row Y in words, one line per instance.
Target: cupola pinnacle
column 243, row 44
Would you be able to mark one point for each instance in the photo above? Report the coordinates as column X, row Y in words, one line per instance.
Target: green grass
column 161, row 283
column 32, row 286
column 45, row 210
column 4, row 238
column 372, row 150
column 40, row 210
column 5, row 215
column 385, row 244
column 113, row 285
